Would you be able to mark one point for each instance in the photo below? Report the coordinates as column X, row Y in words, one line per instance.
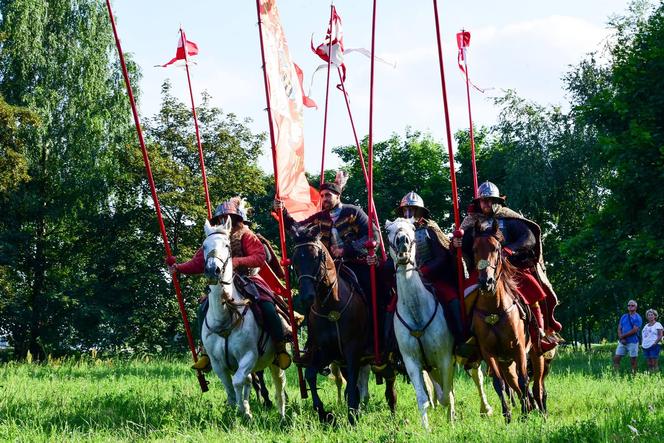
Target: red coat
column 254, row 257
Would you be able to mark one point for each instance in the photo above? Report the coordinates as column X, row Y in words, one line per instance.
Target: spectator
column 628, row 336
column 652, row 337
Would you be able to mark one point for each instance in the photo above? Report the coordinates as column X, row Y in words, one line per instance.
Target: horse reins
column 417, row 333
column 332, row 316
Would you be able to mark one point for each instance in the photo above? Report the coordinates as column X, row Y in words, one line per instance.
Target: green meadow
column 158, row 399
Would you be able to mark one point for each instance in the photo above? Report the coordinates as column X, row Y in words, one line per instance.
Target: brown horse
column 337, row 321
column 500, row 324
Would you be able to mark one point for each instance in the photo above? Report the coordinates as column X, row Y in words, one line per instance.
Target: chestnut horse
column 338, row 319
column 500, row 324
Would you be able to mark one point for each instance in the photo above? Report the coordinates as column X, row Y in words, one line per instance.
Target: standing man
column 628, row 336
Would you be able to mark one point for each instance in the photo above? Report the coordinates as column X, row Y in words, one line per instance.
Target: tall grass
column 118, row 400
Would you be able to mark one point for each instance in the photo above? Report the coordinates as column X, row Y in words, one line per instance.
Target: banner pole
column 201, row 158
column 371, row 243
column 361, row 155
column 455, row 197
column 470, row 120
column 146, row 160
column 285, row 262
column 327, row 96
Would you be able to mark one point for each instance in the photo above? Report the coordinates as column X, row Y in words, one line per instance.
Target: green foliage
column 412, row 162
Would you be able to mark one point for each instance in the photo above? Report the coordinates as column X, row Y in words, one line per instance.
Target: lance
column 470, row 115
column 455, row 200
column 285, row 262
column 327, row 95
column 361, row 155
column 198, row 136
column 146, row 160
column 371, row 243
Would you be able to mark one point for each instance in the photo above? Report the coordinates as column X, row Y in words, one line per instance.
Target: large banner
column 286, row 101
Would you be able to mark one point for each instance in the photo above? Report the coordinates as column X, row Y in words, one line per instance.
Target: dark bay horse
column 500, row 324
column 338, row 319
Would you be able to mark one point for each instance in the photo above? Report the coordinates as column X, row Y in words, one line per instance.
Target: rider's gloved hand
column 171, row 262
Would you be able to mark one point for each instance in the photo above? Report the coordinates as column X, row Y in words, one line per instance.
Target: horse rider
column 344, row 232
column 523, row 247
column 435, row 262
column 248, row 255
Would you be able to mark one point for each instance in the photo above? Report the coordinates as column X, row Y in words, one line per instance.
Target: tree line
column 81, row 259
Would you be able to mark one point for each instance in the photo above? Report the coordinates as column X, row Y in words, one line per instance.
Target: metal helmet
column 231, row 207
column 412, row 199
column 489, row 190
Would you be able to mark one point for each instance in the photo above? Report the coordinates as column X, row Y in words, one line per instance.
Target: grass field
column 114, row 400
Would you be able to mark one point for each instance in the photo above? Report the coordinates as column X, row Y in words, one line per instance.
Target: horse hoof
column 488, row 412
column 327, row 418
column 268, row 404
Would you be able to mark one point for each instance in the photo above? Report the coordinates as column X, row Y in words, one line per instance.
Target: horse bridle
column 409, row 262
column 484, row 264
column 224, row 262
column 317, row 277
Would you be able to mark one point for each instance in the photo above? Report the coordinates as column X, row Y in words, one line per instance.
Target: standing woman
column 652, row 337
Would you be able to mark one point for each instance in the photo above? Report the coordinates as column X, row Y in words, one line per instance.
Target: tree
column 55, row 61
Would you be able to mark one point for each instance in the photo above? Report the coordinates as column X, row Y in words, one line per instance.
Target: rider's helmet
column 489, row 190
column 412, row 200
column 234, row 208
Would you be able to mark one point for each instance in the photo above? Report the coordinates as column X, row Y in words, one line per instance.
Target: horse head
column 401, row 236
column 217, row 252
column 487, row 251
column 312, row 263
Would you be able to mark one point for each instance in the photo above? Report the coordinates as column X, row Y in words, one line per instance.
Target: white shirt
column 649, row 334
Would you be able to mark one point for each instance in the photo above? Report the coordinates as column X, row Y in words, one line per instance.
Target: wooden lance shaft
column 455, row 197
column 327, row 96
column 201, row 159
column 146, row 160
column 282, row 233
column 371, row 243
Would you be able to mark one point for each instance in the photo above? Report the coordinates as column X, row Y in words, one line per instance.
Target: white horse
column 424, row 339
column 230, row 334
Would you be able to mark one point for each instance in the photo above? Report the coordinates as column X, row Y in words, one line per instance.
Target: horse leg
column 338, row 381
column 521, row 363
column 417, row 379
column 353, row 391
column 279, row 380
column 225, row 377
column 444, row 375
column 500, row 387
column 538, row 380
column 311, row 373
column 258, row 382
column 434, row 391
column 478, row 378
column 242, row 383
column 363, row 384
column 390, row 392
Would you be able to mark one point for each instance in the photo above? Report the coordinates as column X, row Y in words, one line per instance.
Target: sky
column 525, row 45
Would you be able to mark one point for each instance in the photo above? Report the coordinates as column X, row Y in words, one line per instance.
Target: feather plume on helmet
column 339, row 183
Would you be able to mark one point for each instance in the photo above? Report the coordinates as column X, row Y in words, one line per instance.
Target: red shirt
column 251, row 246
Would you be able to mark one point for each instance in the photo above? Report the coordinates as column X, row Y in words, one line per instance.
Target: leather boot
column 281, row 357
column 546, row 341
column 203, row 362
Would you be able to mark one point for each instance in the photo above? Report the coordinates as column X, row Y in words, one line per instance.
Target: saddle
column 250, row 291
